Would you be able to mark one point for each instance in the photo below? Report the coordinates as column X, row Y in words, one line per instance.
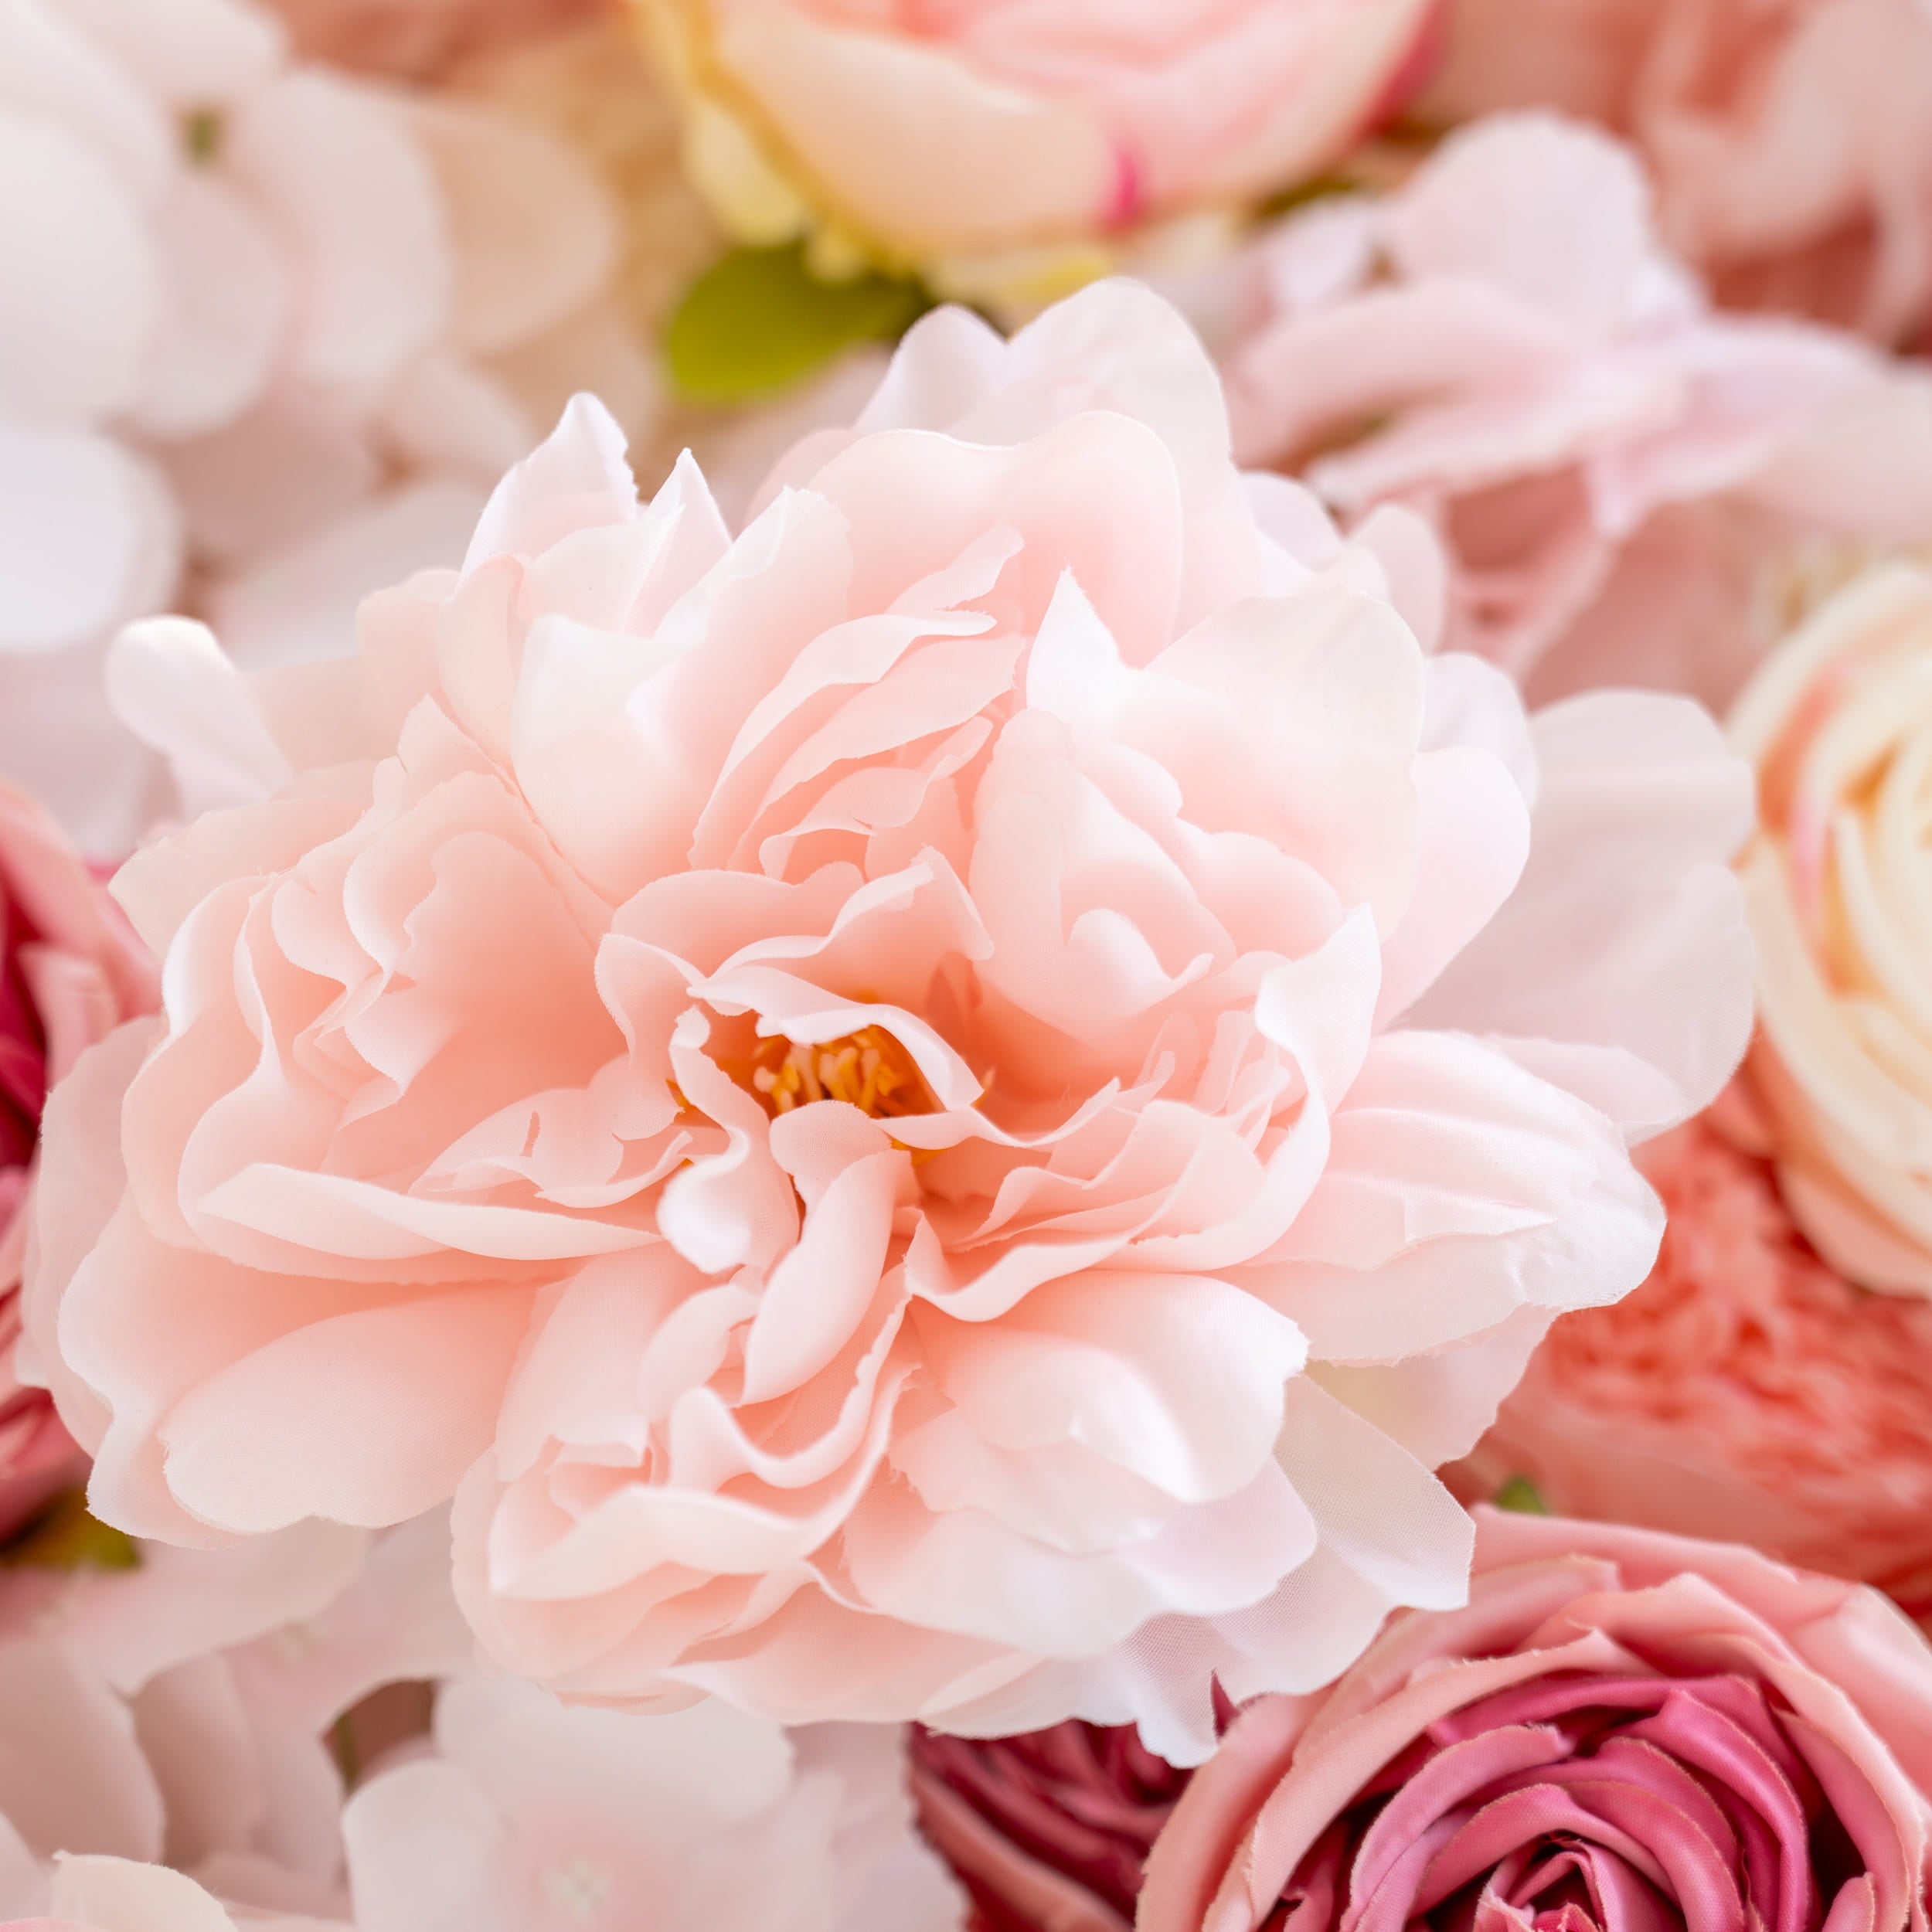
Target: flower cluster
column 1003, row 995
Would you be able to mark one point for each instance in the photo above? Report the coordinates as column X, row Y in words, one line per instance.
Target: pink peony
column 941, row 133
column 419, row 39
column 1838, row 878
column 1789, row 138
column 1746, row 1390
column 529, row 1816
column 1048, row 1829
column 1620, row 474
column 1622, row 1730
column 70, row 972
column 940, row 1111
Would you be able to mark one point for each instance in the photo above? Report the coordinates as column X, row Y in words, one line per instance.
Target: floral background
column 968, row 965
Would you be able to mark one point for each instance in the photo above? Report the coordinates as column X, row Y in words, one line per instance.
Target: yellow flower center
column 868, row 1070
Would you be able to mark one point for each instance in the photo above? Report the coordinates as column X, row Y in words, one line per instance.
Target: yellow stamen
column 868, row 1070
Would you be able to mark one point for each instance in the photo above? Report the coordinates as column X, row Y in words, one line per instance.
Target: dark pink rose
column 1621, row 1732
column 70, row 972
column 1049, row 1829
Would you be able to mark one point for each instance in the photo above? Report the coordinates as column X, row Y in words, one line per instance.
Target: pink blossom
column 1788, row 138
column 1746, row 1390
column 1619, row 472
column 267, row 335
column 70, row 972
column 940, row 1110
column 1033, row 132
column 529, row 1816
column 1623, row 1729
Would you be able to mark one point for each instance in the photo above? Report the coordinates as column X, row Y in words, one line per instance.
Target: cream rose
column 1838, row 724
column 922, row 133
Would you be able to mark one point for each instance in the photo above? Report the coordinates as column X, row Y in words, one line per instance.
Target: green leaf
column 758, row 320
column 1521, row 1495
column 65, row 1537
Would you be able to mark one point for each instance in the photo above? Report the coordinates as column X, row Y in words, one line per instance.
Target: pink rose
column 1839, row 727
column 941, row 1110
column 1048, row 1828
column 70, row 972
column 925, row 134
column 1746, row 1390
column 1621, row 1730
column 420, row 39
column 1619, row 471
column 1789, row 138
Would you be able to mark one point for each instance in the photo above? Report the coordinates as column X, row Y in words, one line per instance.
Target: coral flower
column 1746, row 1390
column 940, row 1110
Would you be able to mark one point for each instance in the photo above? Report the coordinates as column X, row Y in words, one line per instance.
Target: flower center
column 868, row 1070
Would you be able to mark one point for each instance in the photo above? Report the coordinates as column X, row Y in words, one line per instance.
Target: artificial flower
column 1048, row 1828
column 1789, row 138
column 1746, row 1390
column 940, row 1110
column 995, row 144
column 263, row 329
column 529, row 1816
column 1622, row 1729
column 70, row 972
column 1839, row 726
column 1619, row 472
column 422, row 39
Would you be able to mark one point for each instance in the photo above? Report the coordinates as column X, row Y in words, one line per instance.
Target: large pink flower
column 70, row 972
column 1789, row 138
column 941, row 1110
column 1620, row 472
column 1623, row 1730
column 942, row 134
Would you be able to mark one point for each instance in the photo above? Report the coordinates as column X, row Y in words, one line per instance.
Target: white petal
column 228, row 305
column 337, row 170
column 88, row 538
column 188, row 52
column 81, row 299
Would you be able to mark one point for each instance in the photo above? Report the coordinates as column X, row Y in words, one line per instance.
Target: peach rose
column 1838, row 724
column 1619, row 470
column 927, row 133
column 1746, row 1390
column 940, row 1110
column 70, row 972
column 1622, row 1730
column 1789, row 138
